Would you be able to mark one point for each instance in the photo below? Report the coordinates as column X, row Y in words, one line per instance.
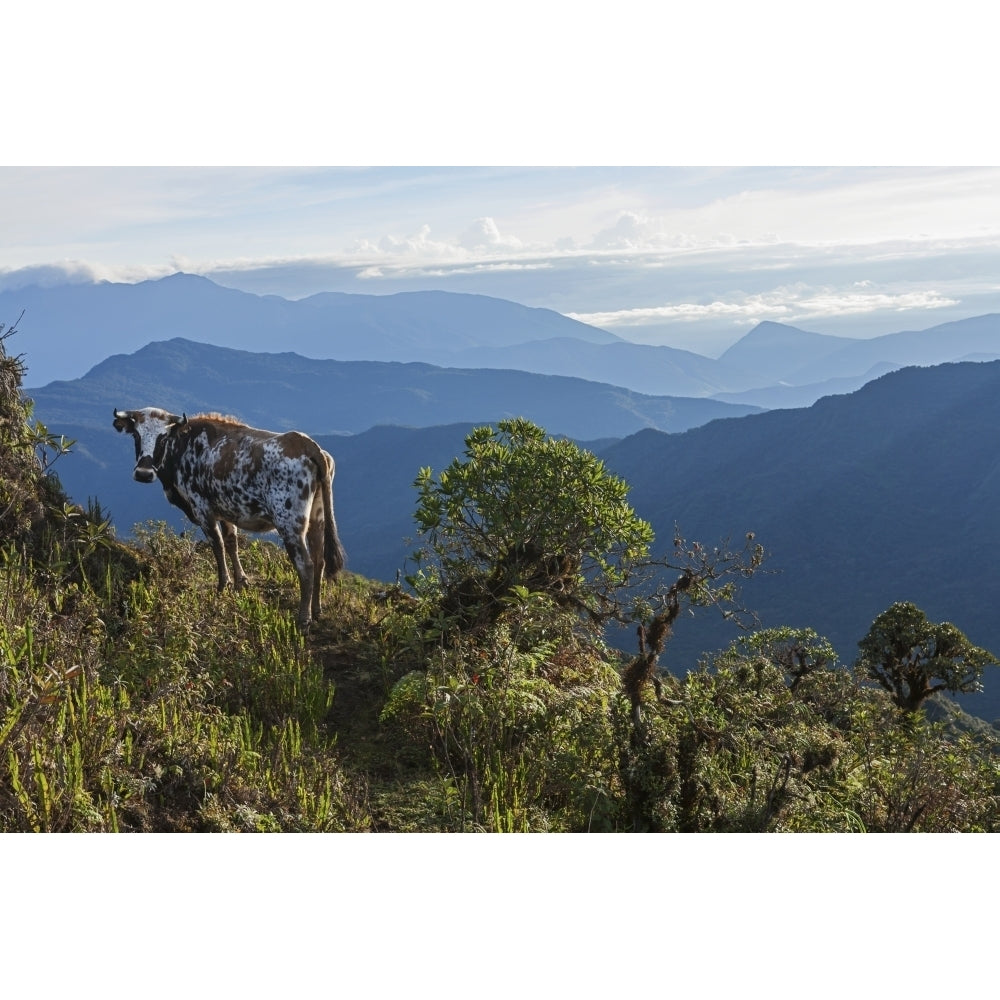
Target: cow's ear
column 123, row 422
column 174, row 427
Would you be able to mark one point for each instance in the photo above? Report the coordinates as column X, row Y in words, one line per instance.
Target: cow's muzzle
column 144, row 471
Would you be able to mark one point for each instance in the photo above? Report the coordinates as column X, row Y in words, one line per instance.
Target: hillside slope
column 887, row 494
column 976, row 338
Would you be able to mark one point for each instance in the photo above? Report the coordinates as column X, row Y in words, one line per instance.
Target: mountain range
column 284, row 391
column 77, row 326
column 860, row 500
column 886, row 494
column 68, row 329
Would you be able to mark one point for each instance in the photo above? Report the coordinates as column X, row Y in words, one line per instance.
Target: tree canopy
column 524, row 510
column 913, row 658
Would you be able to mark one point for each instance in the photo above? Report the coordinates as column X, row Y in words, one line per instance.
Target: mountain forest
column 480, row 691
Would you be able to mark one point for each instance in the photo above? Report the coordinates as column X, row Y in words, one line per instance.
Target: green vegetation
column 527, row 512
column 484, row 697
column 913, row 658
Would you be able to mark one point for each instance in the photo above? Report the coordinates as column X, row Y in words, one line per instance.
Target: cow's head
column 150, row 429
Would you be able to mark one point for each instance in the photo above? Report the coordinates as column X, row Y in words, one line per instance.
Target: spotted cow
column 225, row 475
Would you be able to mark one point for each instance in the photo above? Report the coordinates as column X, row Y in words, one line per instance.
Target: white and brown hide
column 225, row 475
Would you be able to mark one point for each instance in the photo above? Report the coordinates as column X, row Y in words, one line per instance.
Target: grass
column 176, row 709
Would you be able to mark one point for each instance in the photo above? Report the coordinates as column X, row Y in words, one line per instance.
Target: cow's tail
column 333, row 551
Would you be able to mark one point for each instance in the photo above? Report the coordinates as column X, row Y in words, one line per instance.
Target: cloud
column 630, row 232
column 418, row 244
column 839, row 304
column 788, row 305
column 484, row 234
column 642, row 234
column 480, row 239
column 478, row 267
column 76, row 272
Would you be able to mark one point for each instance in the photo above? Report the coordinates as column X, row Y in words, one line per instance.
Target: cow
column 225, row 475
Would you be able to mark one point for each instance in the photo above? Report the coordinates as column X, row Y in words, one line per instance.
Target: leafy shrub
column 517, row 719
column 913, row 658
column 525, row 510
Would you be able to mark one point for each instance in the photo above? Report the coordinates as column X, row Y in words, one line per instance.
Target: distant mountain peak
column 181, row 276
column 767, row 326
column 178, row 281
column 777, row 349
column 770, row 331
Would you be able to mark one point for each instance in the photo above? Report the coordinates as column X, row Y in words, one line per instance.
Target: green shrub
column 517, row 718
column 525, row 510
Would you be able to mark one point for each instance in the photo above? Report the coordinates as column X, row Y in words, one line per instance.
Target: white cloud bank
column 785, row 305
column 79, row 272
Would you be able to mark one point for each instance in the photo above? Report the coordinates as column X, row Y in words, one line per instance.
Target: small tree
column 525, row 511
column 705, row 578
column 912, row 658
column 799, row 652
column 527, row 537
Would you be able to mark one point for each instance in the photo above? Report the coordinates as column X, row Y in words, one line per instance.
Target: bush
column 525, row 510
column 517, row 721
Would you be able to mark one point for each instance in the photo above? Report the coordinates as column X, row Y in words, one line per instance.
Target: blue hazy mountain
column 344, row 397
column 973, row 339
column 67, row 329
column 640, row 367
column 887, row 494
column 776, row 351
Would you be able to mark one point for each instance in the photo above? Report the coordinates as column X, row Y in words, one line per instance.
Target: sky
column 150, row 131
column 691, row 257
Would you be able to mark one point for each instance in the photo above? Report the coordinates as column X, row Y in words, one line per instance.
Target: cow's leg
column 213, row 532
column 316, row 544
column 297, row 547
column 230, row 537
